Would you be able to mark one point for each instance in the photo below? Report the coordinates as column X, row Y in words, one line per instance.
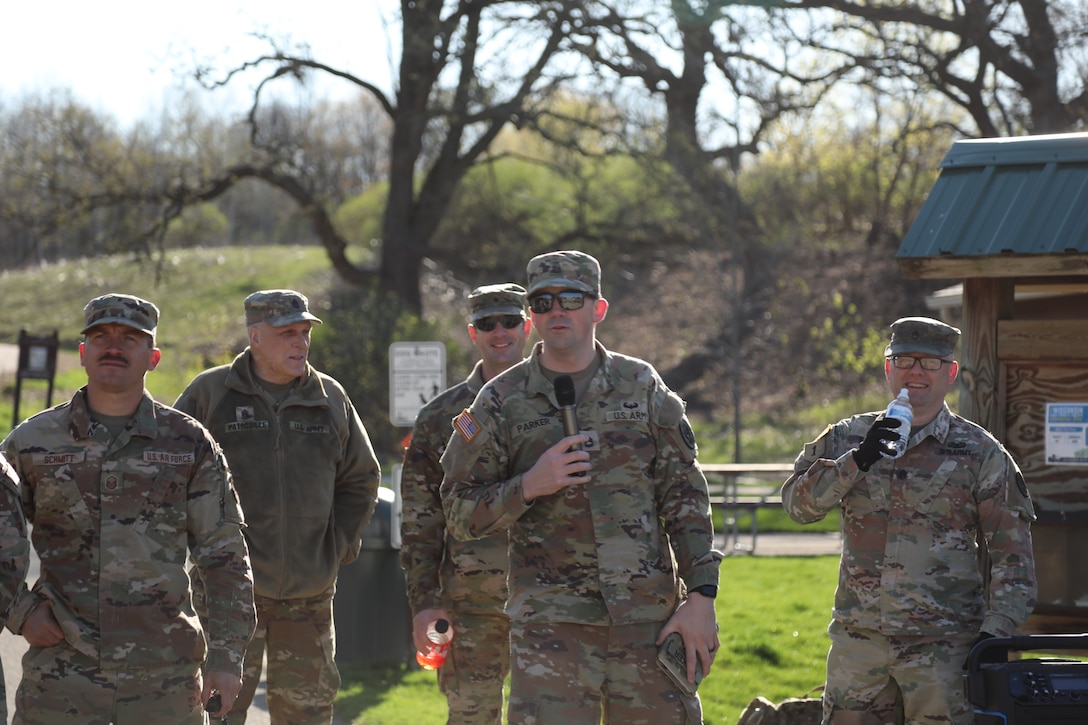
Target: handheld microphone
column 564, row 396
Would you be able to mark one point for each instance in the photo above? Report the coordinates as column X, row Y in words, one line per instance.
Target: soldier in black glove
column 911, row 599
column 882, row 433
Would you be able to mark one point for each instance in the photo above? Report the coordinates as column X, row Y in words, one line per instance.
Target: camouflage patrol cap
column 121, row 309
column 497, row 299
column 569, row 270
column 278, row 308
column 922, row 335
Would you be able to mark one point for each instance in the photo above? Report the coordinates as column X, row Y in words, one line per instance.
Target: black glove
column 882, row 432
column 991, row 655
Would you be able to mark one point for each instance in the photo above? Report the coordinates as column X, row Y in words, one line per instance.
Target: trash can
column 371, row 613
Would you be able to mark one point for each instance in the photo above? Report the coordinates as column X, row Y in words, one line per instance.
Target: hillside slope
column 801, row 336
column 815, row 332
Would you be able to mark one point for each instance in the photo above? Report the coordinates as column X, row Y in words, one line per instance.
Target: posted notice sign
column 1067, row 434
column 417, row 373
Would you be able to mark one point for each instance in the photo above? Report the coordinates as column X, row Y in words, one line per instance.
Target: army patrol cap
column 278, row 308
column 567, row 270
column 922, row 335
column 497, row 299
column 121, row 309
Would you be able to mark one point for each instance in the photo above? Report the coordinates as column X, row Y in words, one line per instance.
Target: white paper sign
column 1067, row 434
column 417, row 373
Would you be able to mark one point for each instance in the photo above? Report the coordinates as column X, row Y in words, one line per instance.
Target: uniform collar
column 939, row 426
column 80, row 424
column 475, row 379
column 538, row 384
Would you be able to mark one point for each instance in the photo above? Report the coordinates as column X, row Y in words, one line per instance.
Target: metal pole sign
column 417, row 373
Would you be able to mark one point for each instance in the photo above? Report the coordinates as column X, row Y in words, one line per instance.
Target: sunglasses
column 509, row 322
column 570, row 300
column 906, row 362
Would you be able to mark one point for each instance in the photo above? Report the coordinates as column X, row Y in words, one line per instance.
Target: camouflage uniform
column 592, row 564
column 113, row 521
column 466, row 578
column 14, row 552
column 911, row 598
column 307, row 478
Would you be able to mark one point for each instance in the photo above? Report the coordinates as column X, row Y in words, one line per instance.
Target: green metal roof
column 1005, row 196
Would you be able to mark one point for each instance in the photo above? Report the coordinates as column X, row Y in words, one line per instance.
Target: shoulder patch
column 687, row 433
column 466, row 425
column 818, row 448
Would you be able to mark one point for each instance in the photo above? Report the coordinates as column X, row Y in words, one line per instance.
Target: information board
column 417, row 373
column 1067, row 434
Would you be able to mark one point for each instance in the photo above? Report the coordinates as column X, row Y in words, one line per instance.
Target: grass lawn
column 773, row 614
column 774, row 519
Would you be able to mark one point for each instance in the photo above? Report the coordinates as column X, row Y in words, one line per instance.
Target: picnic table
column 740, row 490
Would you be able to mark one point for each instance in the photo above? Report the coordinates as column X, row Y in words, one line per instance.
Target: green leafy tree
column 840, row 201
column 57, row 156
column 466, row 71
column 202, row 225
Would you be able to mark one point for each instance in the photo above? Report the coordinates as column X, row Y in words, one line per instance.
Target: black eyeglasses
column 906, row 362
column 510, row 322
column 569, row 300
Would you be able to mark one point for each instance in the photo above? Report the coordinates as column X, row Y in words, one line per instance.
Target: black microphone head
column 564, row 391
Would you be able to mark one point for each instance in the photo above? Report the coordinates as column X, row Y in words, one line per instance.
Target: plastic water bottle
column 440, row 635
column 899, row 409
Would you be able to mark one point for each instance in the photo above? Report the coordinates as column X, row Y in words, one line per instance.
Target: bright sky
column 123, row 57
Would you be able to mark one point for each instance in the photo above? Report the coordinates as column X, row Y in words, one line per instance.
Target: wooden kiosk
column 1009, row 217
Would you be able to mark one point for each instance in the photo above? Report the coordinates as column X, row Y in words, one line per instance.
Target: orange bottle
column 440, row 634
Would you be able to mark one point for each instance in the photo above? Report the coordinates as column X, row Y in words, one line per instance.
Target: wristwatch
column 707, row 590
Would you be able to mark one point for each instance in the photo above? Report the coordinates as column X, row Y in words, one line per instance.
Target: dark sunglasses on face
column 510, row 322
column 906, row 362
column 570, row 300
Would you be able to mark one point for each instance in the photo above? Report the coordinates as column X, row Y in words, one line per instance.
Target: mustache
column 111, row 357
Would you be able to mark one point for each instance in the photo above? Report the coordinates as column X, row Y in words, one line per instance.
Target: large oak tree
column 467, row 69
column 1015, row 66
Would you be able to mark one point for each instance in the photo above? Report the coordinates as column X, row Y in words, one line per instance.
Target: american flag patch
column 466, row 425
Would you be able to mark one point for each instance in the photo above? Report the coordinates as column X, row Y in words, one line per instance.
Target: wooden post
column 985, row 301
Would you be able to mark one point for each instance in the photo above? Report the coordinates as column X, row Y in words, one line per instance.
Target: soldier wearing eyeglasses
column 462, row 582
column 912, row 599
column 611, row 541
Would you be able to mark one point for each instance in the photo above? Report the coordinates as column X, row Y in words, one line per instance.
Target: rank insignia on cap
column 466, row 425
